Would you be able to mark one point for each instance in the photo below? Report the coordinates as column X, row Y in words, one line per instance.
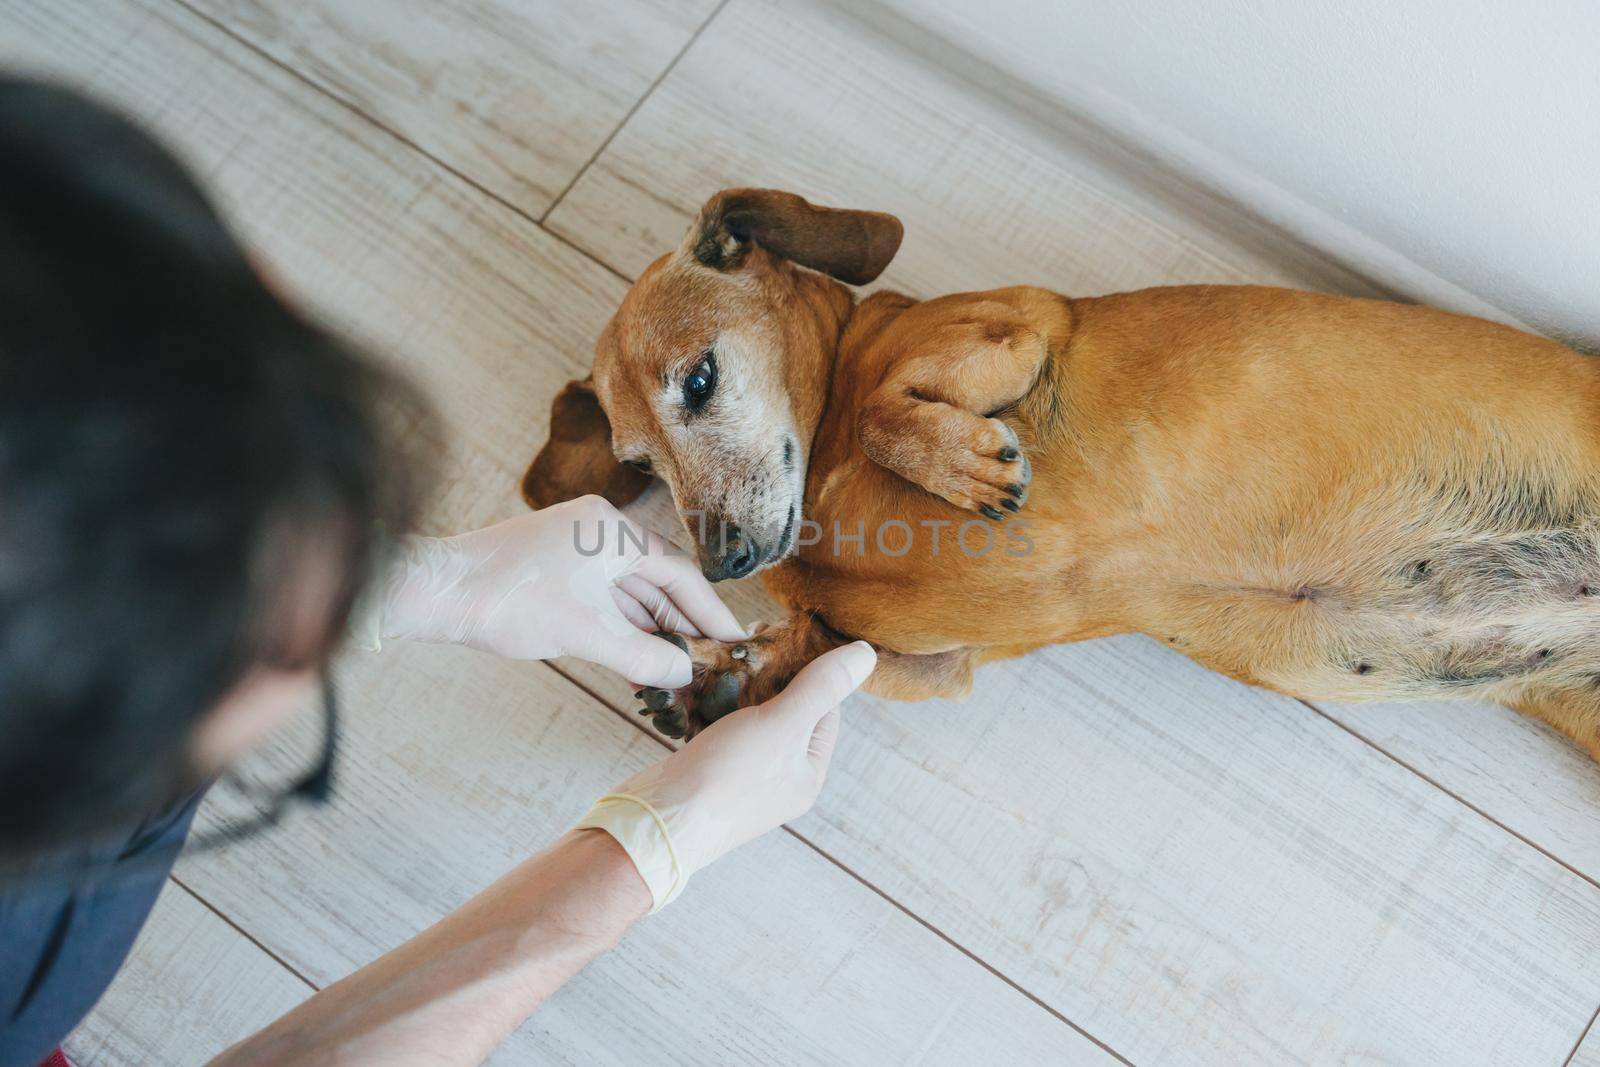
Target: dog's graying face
column 713, row 372
column 692, row 373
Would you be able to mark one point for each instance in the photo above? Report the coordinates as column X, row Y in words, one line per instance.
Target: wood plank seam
column 953, row 943
column 228, row 31
column 385, row 128
column 1578, row 1044
column 605, row 144
column 1452, row 794
column 380, row 125
column 563, row 239
column 638, row 724
column 242, row 932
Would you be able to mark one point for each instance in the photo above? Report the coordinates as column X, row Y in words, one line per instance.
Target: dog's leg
column 925, row 676
column 931, row 420
column 736, row 675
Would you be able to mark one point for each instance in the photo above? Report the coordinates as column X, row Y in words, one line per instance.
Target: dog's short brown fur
column 1333, row 498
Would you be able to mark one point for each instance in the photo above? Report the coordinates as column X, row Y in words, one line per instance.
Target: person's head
column 193, row 479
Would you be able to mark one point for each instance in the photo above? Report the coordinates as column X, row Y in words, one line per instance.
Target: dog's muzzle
column 728, row 552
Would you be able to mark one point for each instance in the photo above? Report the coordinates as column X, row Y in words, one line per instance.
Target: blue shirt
column 62, row 940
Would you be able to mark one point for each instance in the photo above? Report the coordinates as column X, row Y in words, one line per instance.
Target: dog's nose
column 729, row 554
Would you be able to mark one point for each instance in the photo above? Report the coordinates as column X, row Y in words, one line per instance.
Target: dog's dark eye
column 640, row 465
column 701, row 382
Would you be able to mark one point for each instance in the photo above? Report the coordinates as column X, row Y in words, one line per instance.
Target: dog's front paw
column 989, row 474
column 726, row 677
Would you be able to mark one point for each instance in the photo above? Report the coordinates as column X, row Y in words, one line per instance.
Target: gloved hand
column 743, row 775
column 578, row 578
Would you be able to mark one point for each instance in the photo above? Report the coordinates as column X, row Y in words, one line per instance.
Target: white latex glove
column 745, row 774
column 536, row 587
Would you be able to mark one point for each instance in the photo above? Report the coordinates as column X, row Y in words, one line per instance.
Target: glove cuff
column 365, row 628
column 643, row 835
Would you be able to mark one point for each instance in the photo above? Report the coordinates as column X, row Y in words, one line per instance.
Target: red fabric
column 56, row 1059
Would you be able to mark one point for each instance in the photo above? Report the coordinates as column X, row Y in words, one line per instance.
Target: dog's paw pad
column 721, row 698
column 720, row 676
column 671, row 723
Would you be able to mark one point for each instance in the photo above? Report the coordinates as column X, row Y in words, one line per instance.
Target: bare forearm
column 453, row 993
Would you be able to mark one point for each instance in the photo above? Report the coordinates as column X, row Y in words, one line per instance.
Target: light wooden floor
column 1106, row 855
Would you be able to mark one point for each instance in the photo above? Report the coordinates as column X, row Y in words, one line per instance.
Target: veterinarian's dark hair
column 179, row 452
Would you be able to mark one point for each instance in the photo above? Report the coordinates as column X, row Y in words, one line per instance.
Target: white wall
column 1448, row 149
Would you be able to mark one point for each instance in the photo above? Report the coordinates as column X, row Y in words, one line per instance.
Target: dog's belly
column 1466, row 597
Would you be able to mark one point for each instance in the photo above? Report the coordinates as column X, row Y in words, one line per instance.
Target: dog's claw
column 992, row 512
column 1009, row 453
column 657, row 699
column 1015, row 490
column 1011, row 505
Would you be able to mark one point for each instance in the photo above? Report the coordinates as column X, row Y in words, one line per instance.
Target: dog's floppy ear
column 577, row 459
column 852, row 246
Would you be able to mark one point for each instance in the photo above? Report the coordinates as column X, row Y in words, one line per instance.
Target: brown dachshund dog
column 1333, row 498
